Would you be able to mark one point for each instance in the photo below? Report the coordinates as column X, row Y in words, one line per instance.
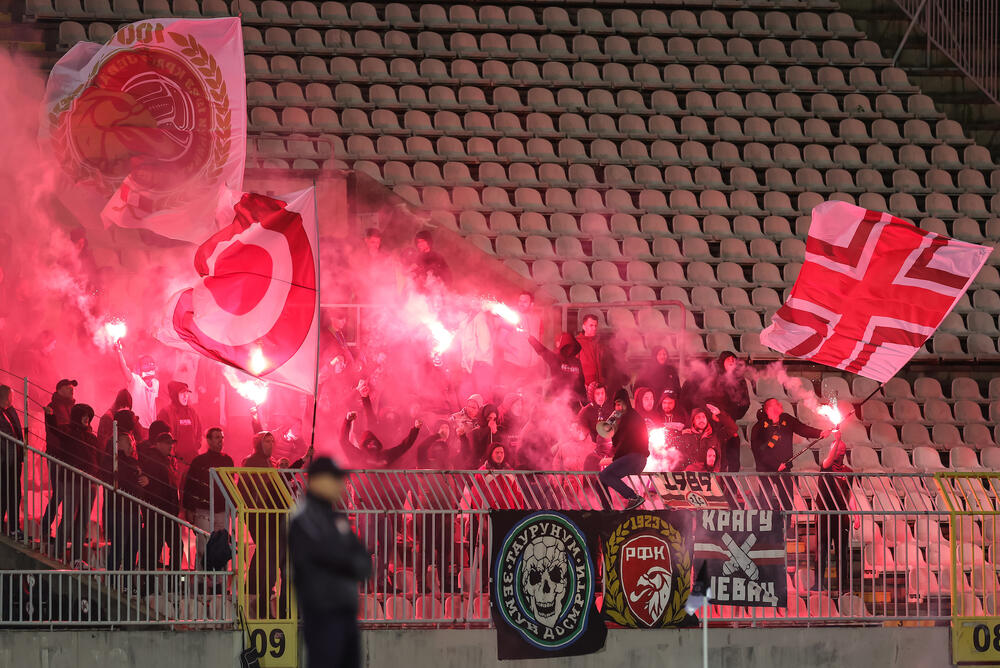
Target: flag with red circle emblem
column 872, row 289
column 255, row 306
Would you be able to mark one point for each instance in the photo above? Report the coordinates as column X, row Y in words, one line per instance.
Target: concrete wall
column 728, row 648
column 119, row 649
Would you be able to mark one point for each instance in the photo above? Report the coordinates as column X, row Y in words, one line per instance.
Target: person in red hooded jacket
column 184, row 424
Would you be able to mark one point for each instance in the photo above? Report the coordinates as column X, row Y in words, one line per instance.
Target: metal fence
column 861, row 548
column 115, row 598
column 967, row 32
column 133, row 563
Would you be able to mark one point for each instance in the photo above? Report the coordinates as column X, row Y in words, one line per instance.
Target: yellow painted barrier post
column 972, row 521
column 263, row 502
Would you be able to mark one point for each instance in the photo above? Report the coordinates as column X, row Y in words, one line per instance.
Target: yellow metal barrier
column 262, row 502
column 970, row 499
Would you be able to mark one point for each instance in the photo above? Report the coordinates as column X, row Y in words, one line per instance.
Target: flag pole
column 849, row 414
column 319, row 319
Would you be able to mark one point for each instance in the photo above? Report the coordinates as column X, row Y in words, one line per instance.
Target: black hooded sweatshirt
column 631, row 436
column 659, row 377
column 369, row 452
column 727, row 392
column 771, row 442
column 565, row 367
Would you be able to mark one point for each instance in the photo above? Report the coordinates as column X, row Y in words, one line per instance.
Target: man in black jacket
column 631, row 447
column 771, row 444
column 195, row 497
column 565, row 370
column 11, row 465
column 157, row 462
column 328, row 562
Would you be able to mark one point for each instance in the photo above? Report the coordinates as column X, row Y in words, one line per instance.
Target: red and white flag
column 154, row 122
column 256, row 305
column 872, row 289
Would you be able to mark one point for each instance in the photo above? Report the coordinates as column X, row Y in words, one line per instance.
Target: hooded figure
column 123, row 400
column 182, row 421
column 708, row 430
column 433, row 451
column 722, row 385
column 566, row 372
column 477, row 445
column 645, row 405
column 369, row 452
column 659, row 374
column 631, row 450
column 600, row 408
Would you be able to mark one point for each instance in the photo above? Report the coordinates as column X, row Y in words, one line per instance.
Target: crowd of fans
column 578, row 406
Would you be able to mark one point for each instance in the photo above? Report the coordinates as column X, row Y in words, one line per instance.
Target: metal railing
column 878, row 552
column 115, row 598
column 966, row 31
column 116, row 544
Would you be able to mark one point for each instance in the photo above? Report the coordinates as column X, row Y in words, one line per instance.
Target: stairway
column 953, row 93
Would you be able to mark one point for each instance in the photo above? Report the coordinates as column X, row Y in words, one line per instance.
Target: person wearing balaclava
column 722, row 385
column 142, row 385
column 565, row 369
column 183, row 422
column 630, row 441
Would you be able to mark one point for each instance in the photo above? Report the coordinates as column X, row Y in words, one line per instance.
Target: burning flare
column 503, row 311
column 253, row 389
column 115, row 329
column 831, row 412
column 442, row 337
column 258, row 363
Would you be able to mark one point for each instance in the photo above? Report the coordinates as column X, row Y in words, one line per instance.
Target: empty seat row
column 650, row 49
column 526, row 73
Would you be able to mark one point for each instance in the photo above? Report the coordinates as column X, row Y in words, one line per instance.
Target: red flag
column 872, row 289
column 255, row 307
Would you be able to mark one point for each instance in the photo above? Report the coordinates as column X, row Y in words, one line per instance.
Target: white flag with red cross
column 255, row 306
column 154, row 122
column 872, row 289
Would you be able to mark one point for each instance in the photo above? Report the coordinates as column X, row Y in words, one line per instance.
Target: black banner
column 745, row 555
column 647, row 564
column 543, row 584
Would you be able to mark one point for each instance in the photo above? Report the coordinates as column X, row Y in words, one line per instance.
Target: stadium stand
column 619, row 153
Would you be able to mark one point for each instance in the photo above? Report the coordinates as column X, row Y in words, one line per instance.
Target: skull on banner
column 544, row 578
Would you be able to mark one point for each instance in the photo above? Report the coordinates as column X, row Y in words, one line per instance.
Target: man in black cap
column 328, row 562
column 57, row 419
column 157, row 463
